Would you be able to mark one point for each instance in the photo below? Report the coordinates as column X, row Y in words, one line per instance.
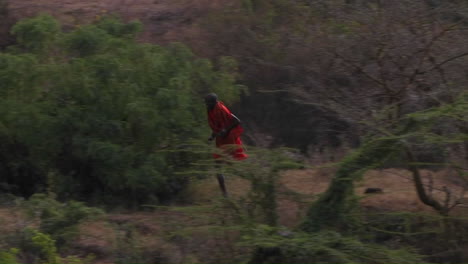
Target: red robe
column 221, row 118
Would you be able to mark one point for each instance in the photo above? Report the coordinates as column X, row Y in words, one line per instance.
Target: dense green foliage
column 91, row 114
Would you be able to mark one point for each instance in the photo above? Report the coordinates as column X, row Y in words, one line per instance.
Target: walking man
column 226, row 130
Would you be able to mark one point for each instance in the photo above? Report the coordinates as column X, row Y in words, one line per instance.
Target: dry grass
column 97, row 238
column 309, row 182
column 397, row 185
column 399, row 193
column 299, row 187
column 179, row 236
column 207, row 190
column 9, row 220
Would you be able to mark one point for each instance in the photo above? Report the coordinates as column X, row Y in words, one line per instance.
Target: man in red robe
column 226, row 128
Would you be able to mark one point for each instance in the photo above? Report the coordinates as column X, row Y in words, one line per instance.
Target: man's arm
column 213, row 136
column 235, row 122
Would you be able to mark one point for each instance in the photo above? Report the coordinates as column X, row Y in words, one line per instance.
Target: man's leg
column 220, row 178
column 222, row 186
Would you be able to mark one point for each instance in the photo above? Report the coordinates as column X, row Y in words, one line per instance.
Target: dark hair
column 211, row 97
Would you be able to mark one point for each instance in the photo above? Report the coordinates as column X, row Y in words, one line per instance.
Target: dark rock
column 373, row 190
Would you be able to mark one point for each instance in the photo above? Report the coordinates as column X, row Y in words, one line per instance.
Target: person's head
column 210, row 100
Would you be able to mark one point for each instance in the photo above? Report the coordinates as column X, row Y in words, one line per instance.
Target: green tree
column 99, row 117
column 36, row 34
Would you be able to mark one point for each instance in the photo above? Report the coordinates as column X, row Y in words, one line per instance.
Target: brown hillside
column 164, row 20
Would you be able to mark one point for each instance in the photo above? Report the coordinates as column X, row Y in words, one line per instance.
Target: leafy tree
column 36, row 34
column 98, row 117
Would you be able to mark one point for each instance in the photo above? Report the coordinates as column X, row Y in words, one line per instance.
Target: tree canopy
column 91, row 113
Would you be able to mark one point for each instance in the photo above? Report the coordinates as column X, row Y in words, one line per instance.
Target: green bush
column 91, row 114
column 282, row 246
column 36, row 34
column 45, row 246
column 59, row 220
column 38, row 247
column 9, row 256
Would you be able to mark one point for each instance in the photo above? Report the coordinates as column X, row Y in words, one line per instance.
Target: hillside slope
column 164, row 20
